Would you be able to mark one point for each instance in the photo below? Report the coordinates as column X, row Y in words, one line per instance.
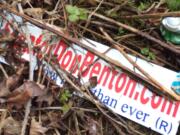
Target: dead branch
column 154, row 15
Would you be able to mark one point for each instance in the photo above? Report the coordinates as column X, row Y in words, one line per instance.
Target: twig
column 31, row 74
column 104, row 25
column 106, row 3
column 65, row 15
column 153, row 80
column 154, row 15
column 4, row 71
column 76, row 124
column 157, row 58
column 136, row 31
column 149, row 9
column 3, row 117
column 25, row 121
column 103, row 37
column 57, row 132
column 54, row 10
column 60, row 108
column 39, row 74
column 3, row 110
column 118, row 7
column 91, row 14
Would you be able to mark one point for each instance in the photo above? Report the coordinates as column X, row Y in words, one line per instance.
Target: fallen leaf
column 34, row 89
column 19, row 99
column 48, row 97
column 11, row 126
column 36, row 128
column 22, row 94
column 10, row 83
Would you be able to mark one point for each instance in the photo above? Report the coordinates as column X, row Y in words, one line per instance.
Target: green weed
column 146, row 52
column 75, row 14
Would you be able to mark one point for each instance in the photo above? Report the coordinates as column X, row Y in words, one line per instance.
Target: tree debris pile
column 33, row 104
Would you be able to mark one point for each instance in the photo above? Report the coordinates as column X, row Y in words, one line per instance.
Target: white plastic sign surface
column 115, row 89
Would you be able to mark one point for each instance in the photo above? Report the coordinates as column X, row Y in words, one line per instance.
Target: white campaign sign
column 115, row 89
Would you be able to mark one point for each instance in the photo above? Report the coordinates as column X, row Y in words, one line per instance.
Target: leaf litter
column 57, row 110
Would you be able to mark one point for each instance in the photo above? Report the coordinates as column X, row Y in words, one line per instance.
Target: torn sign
column 115, row 89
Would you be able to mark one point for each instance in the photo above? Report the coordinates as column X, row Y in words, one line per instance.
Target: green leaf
column 151, row 56
column 143, row 6
column 83, row 17
column 173, row 4
column 76, row 13
column 65, row 96
column 66, row 108
column 72, row 10
column 83, row 14
column 121, row 31
column 73, row 18
column 82, row 11
column 145, row 51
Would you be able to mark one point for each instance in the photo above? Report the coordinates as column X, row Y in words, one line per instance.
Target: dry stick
column 91, row 14
column 4, row 71
column 39, row 74
column 154, row 15
column 57, row 132
column 106, row 3
column 124, row 47
column 31, row 74
column 76, row 124
column 157, row 58
column 150, row 8
column 136, row 31
column 3, row 110
column 128, row 49
column 3, row 117
column 118, row 7
column 60, row 108
column 104, row 25
column 153, row 80
column 101, row 125
column 104, row 57
column 54, row 10
column 113, row 42
column 65, row 15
